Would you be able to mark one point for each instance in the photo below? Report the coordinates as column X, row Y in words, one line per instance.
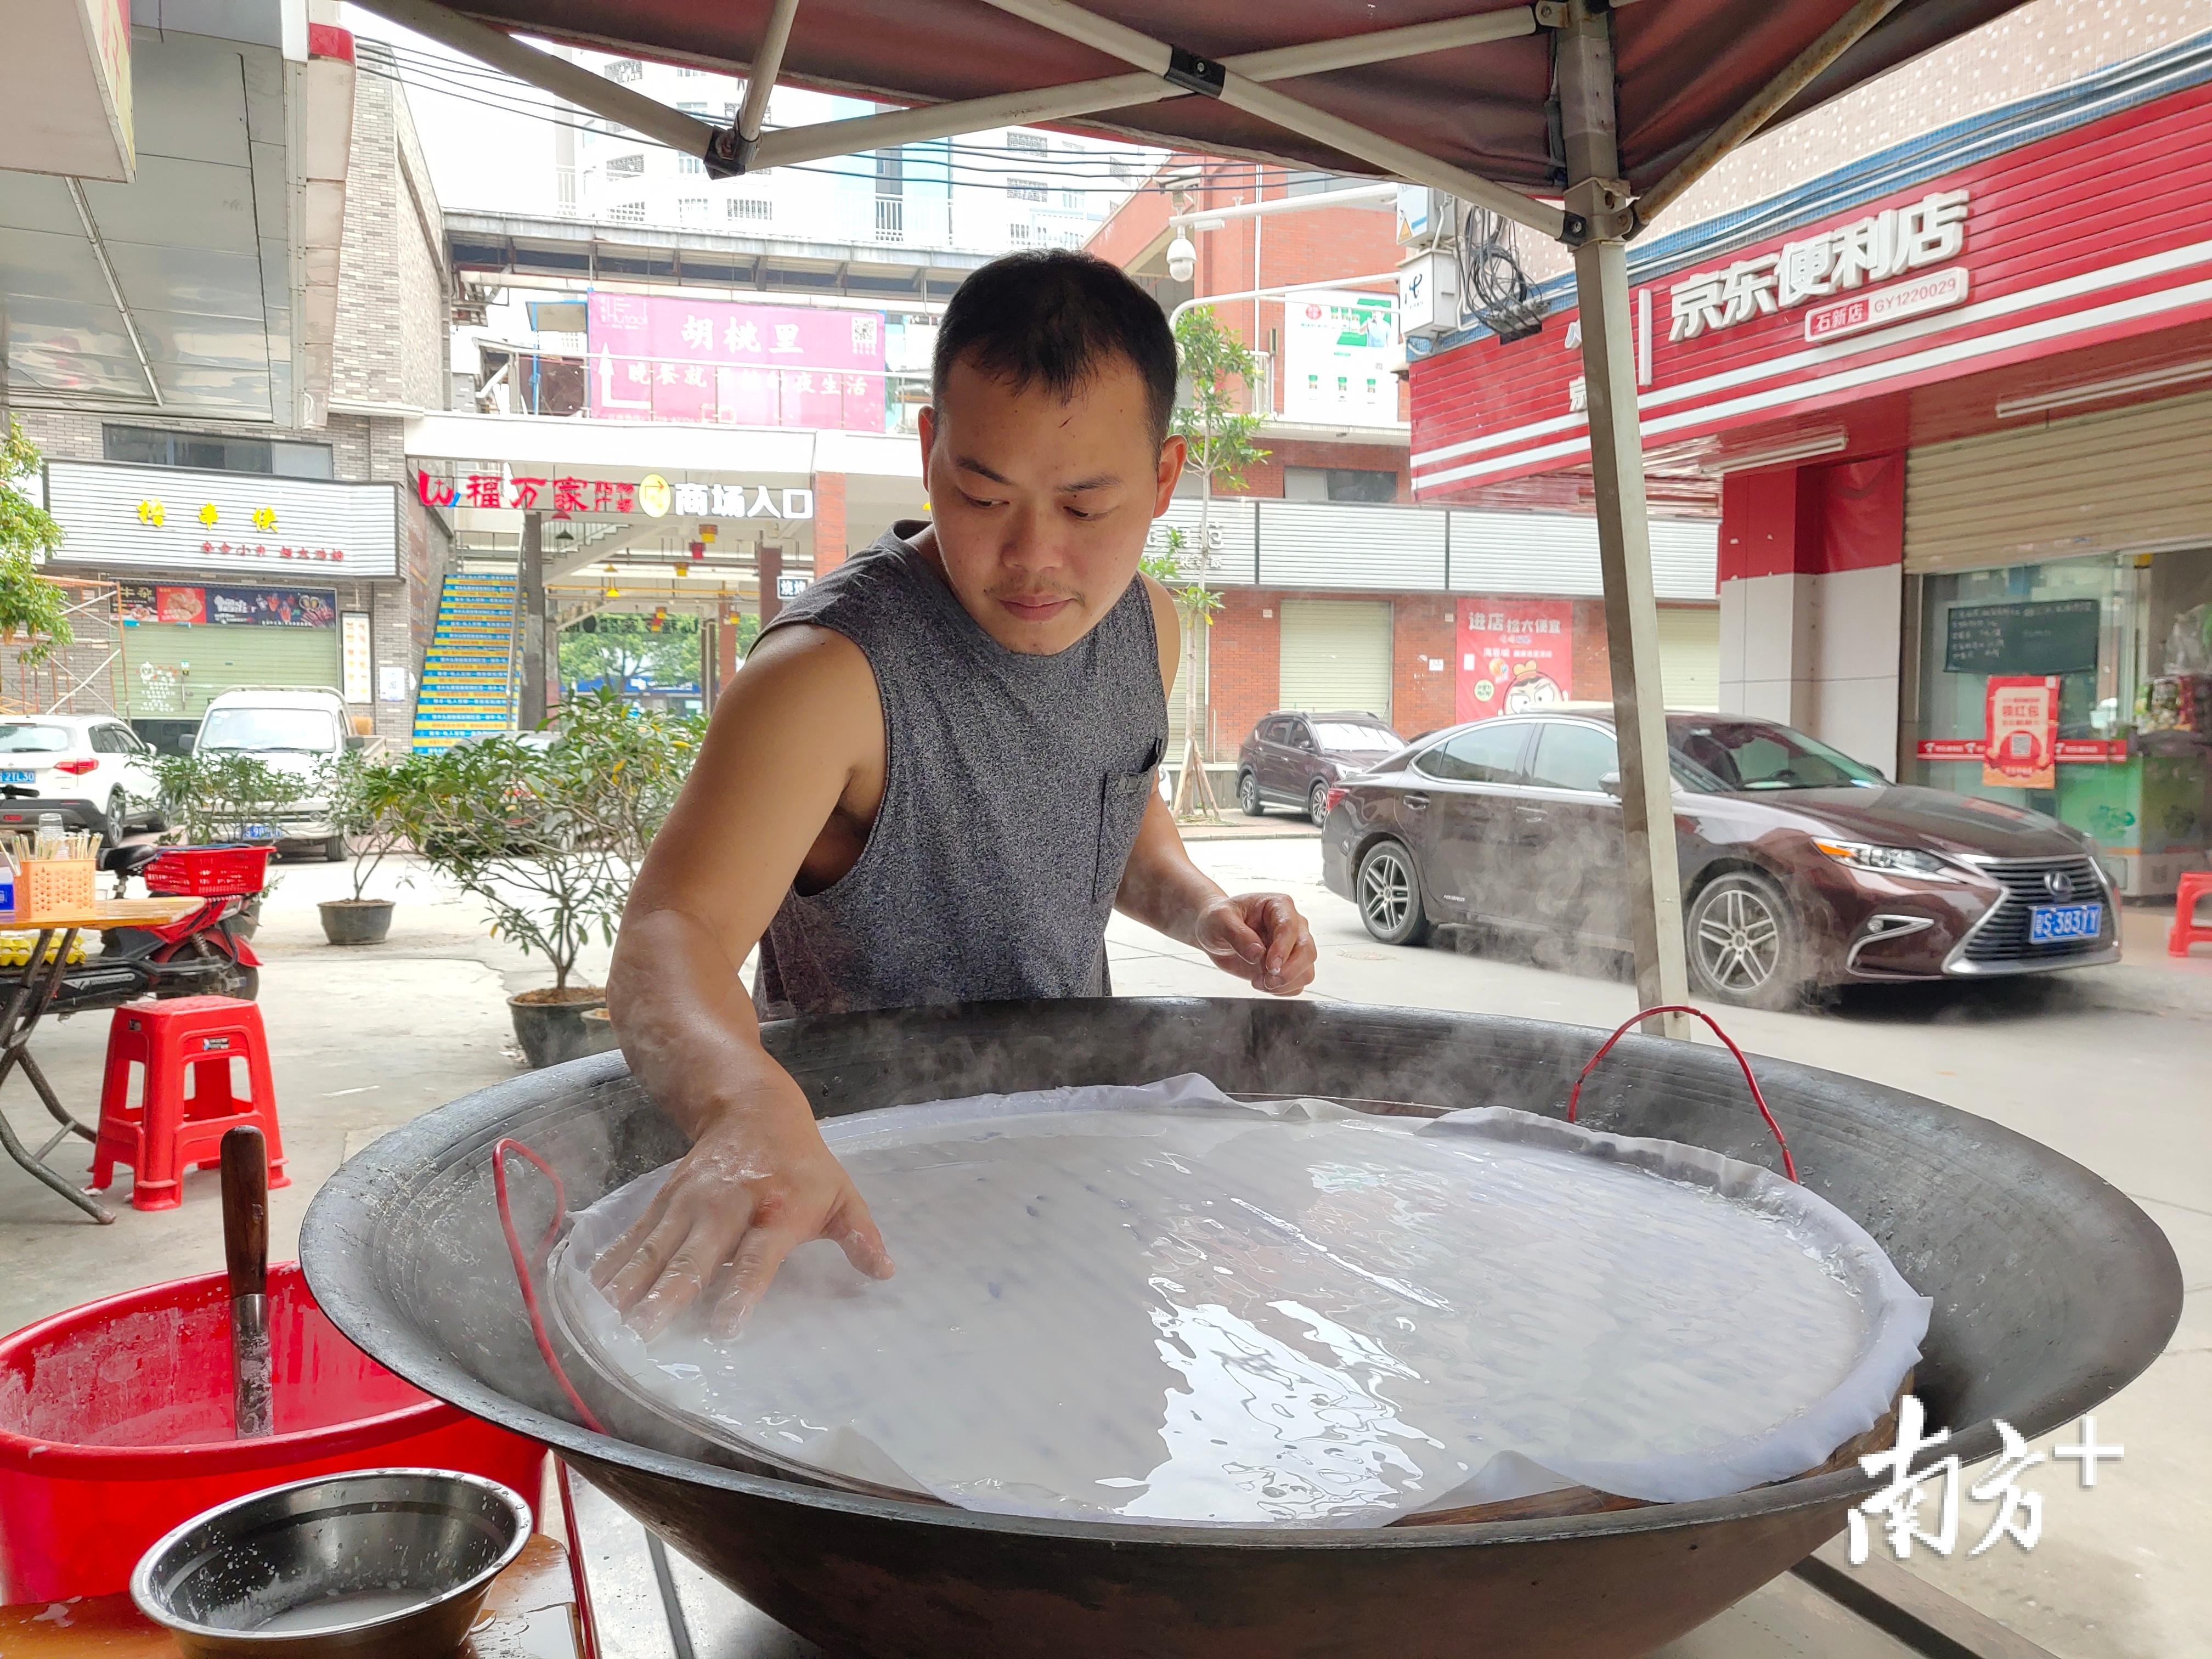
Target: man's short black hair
column 1058, row 317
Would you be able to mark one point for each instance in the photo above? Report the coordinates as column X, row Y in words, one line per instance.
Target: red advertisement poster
column 2020, row 731
column 180, row 605
column 661, row 358
column 1514, row 654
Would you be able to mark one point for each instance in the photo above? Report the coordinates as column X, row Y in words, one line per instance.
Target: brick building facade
column 388, row 358
column 1245, row 668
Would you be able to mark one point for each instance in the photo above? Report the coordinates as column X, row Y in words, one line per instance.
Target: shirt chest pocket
column 1124, row 797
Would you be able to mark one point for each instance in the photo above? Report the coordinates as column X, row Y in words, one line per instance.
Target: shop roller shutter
column 1556, row 553
column 1690, row 655
column 1336, row 654
column 2124, row 480
column 1320, row 545
column 172, row 671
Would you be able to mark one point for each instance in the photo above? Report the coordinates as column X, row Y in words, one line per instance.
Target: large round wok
column 2051, row 1291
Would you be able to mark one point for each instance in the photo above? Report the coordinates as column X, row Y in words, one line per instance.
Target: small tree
column 1219, row 435
column 30, row 605
column 509, row 825
column 369, row 804
column 548, row 836
column 1194, row 602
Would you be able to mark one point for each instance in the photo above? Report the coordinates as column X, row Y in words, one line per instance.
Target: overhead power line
column 1008, row 163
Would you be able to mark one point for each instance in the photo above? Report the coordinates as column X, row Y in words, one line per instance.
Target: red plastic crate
column 209, row 871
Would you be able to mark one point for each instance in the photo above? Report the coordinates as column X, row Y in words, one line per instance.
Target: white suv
column 91, row 769
column 295, row 730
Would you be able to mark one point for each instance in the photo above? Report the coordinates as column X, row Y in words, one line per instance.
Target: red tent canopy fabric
column 1684, row 66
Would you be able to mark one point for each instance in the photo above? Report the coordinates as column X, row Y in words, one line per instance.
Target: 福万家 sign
column 1514, row 654
column 1876, row 249
column 161, row 517
column 651, row 497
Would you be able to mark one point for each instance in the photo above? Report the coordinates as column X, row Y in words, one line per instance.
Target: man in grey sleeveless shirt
column 933, row 781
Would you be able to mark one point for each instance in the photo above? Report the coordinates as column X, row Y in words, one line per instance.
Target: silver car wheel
column 1739, row 939
column 1386, row 891
column 1317, row 805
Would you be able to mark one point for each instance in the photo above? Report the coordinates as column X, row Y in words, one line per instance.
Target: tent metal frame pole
column 1590, row 127
column 730, row 151
column 572, row 82
column 759, row 79
column 1146, row 86
column 1238, row 89
column 1803, row 69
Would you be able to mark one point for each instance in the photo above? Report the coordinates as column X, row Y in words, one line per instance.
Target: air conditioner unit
column 1428, row 295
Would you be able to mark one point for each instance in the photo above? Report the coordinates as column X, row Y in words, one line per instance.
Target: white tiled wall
column 1819, row 652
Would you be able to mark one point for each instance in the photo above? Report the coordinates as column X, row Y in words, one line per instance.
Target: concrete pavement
column 2110, row 1072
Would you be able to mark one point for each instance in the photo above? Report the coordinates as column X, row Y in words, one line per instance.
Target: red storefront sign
column 1514, row 654
column 652, row 496
column 2074, row 240
column 2067, row 751
column 2019, row 731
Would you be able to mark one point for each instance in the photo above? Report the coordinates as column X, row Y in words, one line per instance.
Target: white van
column 295, row 729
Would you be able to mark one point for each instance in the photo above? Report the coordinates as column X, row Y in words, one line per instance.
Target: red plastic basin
column 115, row 1425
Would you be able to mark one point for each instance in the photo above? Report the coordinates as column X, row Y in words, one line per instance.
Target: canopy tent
column 1579, row 119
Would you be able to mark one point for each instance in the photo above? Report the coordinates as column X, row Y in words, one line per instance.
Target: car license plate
column 16, row 775
column 259, row 832
column 2049, row 924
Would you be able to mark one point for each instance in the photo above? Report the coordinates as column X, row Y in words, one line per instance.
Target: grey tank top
column 1013, row 787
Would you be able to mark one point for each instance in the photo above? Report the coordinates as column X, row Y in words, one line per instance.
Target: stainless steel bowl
column 378, row 1562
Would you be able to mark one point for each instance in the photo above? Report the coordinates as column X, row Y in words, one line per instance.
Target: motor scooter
column 202, row 954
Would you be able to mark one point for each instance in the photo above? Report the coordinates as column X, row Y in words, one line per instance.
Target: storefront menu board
column 2053, row 636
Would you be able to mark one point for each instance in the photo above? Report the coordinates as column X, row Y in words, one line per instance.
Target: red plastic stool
column 2187, row 930
column 188, row 1046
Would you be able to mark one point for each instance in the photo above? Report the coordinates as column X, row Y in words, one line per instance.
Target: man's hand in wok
column 755, row 1185
column 1260, row 938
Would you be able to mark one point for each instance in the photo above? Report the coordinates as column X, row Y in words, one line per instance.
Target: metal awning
column 1582, row 119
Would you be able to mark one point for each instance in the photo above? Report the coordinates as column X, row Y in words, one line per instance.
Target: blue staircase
column 468, row 687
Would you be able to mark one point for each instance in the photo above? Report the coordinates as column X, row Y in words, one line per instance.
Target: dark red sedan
column 1801, row 867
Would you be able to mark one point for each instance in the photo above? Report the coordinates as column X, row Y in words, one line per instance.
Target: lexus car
column 1292, row 759
column 1801, row 867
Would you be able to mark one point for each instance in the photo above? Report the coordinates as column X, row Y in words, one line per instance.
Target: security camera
column 1182, row 258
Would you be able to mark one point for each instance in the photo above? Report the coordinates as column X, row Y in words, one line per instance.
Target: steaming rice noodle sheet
column 1161, row 1305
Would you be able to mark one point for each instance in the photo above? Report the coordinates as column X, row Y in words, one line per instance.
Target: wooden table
column 531, row 1613
column 55, row 935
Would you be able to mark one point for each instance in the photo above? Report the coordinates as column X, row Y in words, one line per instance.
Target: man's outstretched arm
column 798, row 731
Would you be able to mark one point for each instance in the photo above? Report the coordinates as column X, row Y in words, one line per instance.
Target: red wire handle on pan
column 523, row 1263
column 1788, row 1164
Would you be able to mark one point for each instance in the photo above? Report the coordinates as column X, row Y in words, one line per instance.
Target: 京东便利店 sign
column 1875, row 249
column 651, row 496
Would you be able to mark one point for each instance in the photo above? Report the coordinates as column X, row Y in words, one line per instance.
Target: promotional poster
column 1515, row 655
column 2020, row 731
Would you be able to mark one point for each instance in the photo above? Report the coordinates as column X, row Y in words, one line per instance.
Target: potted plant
column 547, row 836
column 368, row 809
